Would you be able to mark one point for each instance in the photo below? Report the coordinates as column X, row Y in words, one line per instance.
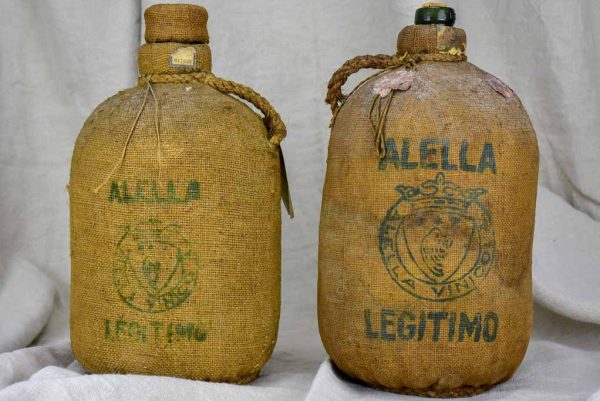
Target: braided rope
column 335, row 96
column 272, row 119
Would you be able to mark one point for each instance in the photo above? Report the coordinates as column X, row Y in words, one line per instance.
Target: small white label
column 184, row 57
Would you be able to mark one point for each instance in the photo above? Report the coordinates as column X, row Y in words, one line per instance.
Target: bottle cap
column 180, row 23
column 435, row 13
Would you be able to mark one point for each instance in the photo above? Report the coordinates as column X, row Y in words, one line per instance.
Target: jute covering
column 181, row 23
column 427, row 224
column 431, row 39
column 160, row 58
column 175, row 197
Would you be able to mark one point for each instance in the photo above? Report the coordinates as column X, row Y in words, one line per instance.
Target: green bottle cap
column 435, row 13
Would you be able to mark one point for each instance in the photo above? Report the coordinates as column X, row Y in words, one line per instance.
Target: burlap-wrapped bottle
column 175, row 217
column 427, row 219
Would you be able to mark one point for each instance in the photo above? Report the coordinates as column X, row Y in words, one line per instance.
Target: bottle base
column 433, row 391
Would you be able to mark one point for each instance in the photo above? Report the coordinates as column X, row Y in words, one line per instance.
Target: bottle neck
column 432, row 39
column 174, row 58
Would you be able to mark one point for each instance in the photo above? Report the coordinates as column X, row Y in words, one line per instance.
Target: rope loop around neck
column 335, row 97
column 271, row 118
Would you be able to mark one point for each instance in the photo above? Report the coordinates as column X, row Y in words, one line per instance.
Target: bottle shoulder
column 193, row 103
column 195, row 114
column 176, row 97
column 457, row 91
column 442, row 101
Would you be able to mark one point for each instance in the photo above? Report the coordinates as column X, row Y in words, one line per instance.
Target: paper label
column 184, row 57
column 448, row 39
column 286, row 195
column 500, row 86
column 400, row 79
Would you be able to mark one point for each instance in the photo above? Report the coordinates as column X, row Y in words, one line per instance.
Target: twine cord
column 149, row 90
column 272, row 119
column 336, row 98
column 157, row 127
column 378, row 127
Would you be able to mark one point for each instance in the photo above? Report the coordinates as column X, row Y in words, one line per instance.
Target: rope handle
column 271, row 118
column 335, row 97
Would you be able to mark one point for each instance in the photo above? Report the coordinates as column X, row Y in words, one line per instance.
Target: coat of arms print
column 156, row 269
column 437, row 242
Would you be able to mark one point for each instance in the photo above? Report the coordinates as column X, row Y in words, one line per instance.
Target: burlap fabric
column 427, row 224
column 158, row 58
column 416, row 39
column 180, row 23
column 175, row 228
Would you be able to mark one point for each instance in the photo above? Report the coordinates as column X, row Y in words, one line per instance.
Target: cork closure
column 180, row 23
column 429, row 39
column 177, row 40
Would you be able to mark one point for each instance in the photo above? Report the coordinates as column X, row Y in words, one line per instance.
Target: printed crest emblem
column 155, row 270
column 437, row 242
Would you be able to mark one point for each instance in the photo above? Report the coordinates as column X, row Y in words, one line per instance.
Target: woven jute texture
column 425, row 242
column 159, row 58
column 175, row 197
column 181, row 23
column 431, row 39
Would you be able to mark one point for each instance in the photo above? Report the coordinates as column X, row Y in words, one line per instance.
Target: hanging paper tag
column 286, row 196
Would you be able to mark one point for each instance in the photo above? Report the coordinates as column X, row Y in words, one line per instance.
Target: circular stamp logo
column 437, row 242
column 155, row 269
